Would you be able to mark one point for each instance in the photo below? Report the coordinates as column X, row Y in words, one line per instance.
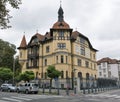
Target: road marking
column 94, row 100
column 3, row 101
column 10, row 99
column 117, row 97
column 40, row 96
column 22, row 98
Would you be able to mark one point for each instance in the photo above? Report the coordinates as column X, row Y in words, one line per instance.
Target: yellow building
column 62, row 47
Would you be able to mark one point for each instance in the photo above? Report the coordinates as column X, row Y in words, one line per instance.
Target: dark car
column 8, row 87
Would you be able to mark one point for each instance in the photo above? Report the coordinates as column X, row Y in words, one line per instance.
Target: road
column 111, row 96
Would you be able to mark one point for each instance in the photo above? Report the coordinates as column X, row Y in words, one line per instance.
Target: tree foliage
column 7, row 51
column 5, row 74
column 27, row 76
column 52, row 73
column 4, row 11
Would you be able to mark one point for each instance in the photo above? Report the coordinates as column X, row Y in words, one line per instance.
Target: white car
column 8, row 87
column 28, row 88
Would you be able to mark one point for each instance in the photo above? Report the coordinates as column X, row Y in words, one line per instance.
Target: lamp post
column 119, row 74
column 74, row 81
column 13, row 69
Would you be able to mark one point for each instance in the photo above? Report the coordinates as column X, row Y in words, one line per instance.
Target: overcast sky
column 99, row 20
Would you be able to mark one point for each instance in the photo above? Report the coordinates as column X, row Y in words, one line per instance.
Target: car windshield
column 35, row 85
column 10, row 84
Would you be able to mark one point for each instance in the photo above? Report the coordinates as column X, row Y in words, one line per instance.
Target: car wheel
column 18, row 91
column 1, row 89
column 36, row 92
column 26, row 91
column 9, row 90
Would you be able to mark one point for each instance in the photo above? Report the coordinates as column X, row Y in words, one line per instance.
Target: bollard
column 92, row 89
column 67, row 91
column 43, row 89
column 58, row 92
column 75, row 90
column 49, row 90
column 83, row 90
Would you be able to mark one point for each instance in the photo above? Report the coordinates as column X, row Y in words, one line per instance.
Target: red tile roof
column 75, row 34
column 61, row 25
column 23, row 43
column 108, row 60
column 39, row 36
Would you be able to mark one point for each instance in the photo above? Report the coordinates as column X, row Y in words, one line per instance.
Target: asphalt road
column 111, row 96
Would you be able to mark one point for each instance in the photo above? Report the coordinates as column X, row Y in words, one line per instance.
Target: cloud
column 96, row 19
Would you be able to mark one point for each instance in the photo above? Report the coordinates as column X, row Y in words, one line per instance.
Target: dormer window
column 35, row 40
column 82, row 40
column 61, row 33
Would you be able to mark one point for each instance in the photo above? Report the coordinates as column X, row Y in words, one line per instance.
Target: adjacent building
column 69, row 51
column 109, row 68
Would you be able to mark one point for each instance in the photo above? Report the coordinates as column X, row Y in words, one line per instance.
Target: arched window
column 87, row 75
column 80, row 75
column 66, row 74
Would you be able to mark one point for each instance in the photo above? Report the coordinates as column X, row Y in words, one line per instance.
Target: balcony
column 33, row 55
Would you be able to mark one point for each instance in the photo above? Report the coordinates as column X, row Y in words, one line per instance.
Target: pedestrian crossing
column 104, row 96
column 26, row 98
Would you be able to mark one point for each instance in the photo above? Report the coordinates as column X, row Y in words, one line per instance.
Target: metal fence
column 83, row 85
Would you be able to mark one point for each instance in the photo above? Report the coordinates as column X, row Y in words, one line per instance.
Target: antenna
column 24, row 32
column 60, row 2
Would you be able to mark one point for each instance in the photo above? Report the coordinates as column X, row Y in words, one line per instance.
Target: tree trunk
column 51, row 83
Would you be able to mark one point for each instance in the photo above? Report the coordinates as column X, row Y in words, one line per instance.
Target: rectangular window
column 94, row 66
column 87, row 64
column 82, row 50
column 66, row 59
column 20, row 54
column 104, row 64
column 100, row 73
column 47, row 49
column 61, row 45
column 109, row 74
column 94, row 56
column 99, row 67
column 104, row 70
column 45, row 62
column 62, row 59
column 79, row 62
column 56, row 59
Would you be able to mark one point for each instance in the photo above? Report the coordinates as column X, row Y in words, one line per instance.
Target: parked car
column 28, row 88
column 8, row 87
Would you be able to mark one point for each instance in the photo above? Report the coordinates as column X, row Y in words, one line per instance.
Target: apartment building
column 62, row 47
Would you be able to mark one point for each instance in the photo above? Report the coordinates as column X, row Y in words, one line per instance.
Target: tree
column 4, row 11
column 27, row 76
column 7, row 51
column 52, row 73
column 5, row 74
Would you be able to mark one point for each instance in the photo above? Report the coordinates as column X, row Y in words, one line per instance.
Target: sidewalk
column 71, row 92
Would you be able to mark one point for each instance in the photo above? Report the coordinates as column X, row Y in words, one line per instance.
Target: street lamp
column 13, row 69
column 74, row 81
column 119, row 74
